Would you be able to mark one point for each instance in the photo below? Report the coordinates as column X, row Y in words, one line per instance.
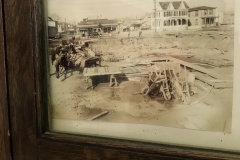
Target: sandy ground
column 125, row 104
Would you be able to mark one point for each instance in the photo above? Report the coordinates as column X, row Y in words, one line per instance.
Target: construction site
column 181, row 79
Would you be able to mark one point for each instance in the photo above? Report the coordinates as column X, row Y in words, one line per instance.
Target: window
column 164, row 14
column 183, row 13
column 184, row 21
column 175, row 13
column 180, row 13
column 196, row 13
column 196, row 21
column 179, row 22
column 205, row 12
column 211, row 12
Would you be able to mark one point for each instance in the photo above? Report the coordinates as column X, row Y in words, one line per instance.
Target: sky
column 76, row 10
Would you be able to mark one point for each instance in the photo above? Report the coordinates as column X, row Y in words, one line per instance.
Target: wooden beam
column 97, row 71
column 99, row 115
column 20, row 41
column 218, row 81
column 5, row 152
column 197, row 68
column 216, row 85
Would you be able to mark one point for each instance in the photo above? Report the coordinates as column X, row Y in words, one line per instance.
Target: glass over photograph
column 151, row 62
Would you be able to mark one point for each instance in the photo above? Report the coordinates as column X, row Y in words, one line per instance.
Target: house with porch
column 98, row 25
column 203, row 16
column 170, row 16
column 143, row 23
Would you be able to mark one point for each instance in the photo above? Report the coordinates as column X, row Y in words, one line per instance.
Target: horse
column 64, row 62
column 61, row 59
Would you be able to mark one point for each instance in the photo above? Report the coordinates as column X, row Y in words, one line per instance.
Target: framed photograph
column 143, row 70
column 123, row 79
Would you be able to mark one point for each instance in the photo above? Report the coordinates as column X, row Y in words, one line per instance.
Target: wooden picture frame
column 23, row 111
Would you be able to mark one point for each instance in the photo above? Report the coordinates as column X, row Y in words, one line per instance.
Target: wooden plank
column 96, row 71
column 57, row 146
column 190, row 65
column 220, row 81
column 211, row 82
column 97, row 116
column 223, row 85
column 19, row 32
column 5, row 152
column 48, row 150
column 197, row 68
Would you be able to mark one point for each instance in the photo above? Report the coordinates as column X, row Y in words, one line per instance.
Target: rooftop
column 201, row 8
column 98, row 21
column 50, row 19
column 176, row 4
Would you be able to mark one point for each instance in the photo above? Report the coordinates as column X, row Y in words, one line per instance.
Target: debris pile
column 169, row 80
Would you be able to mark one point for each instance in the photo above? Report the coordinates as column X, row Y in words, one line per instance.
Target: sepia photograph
column 150, row 62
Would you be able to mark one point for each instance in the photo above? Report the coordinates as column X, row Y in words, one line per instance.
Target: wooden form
column 101, row 71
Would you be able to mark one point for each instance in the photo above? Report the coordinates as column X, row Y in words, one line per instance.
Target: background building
column 98, row 25
column 203, row 17
column 143, row 23
column 52, row 28
column 170, row 16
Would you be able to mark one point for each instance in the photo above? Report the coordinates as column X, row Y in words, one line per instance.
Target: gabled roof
column 176, row 4
column 50, row 19
column 185, row 4
column 164, row 5
column 201, row 8
column 98, row 21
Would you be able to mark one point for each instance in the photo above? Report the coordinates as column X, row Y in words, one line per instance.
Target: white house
column 170, row 16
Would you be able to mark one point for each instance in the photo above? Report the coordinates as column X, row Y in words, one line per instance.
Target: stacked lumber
column 216, row 62
column 215, row 83
column 202, row 74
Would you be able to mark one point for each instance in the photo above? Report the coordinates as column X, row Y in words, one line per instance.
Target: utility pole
column 155, row 14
